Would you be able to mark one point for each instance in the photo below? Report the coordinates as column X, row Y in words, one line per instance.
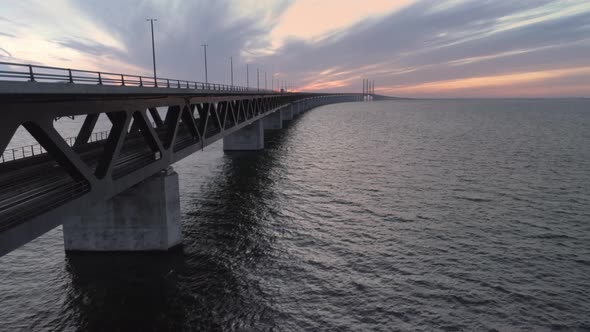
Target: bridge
column 115, row 190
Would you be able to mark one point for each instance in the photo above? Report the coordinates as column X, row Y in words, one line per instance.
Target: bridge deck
column 37, row 190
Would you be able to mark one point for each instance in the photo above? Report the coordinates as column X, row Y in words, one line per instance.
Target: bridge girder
column 133, row 150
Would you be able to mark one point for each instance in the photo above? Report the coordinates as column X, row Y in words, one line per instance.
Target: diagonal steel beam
column 234, row 105
column 189, row 121
column 140, row 118
column 7, row 131
column 214, row 110
column 156, row 116
column 203, row 110
column 223, row 107
column 172, row 123
column 86, row 129
column 114, row 143
column 57, row 147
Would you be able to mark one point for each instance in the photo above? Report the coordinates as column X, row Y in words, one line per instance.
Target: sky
column 409, row 48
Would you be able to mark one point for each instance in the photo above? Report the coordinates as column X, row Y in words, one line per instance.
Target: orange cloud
column 507, row 81
column 309, row 19
column 324, row 85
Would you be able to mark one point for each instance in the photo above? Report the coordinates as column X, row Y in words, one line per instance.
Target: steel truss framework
column 35, row 192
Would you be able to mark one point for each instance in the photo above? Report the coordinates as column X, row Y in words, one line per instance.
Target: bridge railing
column 32, row 73
column 32, row 150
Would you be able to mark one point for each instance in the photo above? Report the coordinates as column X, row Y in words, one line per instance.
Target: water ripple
column 406, row 215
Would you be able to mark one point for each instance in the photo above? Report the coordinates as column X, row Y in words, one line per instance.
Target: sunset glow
column 409, row 48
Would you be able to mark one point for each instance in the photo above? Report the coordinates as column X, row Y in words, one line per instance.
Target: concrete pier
column 295, row 109
column 146, row 217
column 248, row 138
column 287, row 113
column 273, row 121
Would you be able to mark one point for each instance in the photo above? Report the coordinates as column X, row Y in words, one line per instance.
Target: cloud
column 181, row 28
column 409, row 47
column 6, row 53
column 5, row 34
column 417, row 45
column 90, row 47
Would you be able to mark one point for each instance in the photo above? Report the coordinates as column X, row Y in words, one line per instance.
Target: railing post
column 168, row 82
column 99, row 79
column 122, row 80
column 140, row 81
column 70, row 74
column 31, row 75
column 178, row 83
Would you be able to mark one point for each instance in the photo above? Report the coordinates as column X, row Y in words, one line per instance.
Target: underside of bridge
column 116, row 191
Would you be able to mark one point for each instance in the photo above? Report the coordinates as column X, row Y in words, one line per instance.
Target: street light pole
column 247, row 77
column 205, row 50
column 231, row 68
column 153, row 49
column 265, row 80
column 258, row 79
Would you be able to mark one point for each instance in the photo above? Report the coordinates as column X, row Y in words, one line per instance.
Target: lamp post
column 205, row 50
column 247, row 77
column 258, row 79
column 153, row 49
column 231, row 69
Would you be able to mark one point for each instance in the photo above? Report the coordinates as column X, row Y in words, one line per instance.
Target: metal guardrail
column 31, row 73
column 27, row 151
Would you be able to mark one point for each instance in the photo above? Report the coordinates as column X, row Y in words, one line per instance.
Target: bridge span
column 117, row 191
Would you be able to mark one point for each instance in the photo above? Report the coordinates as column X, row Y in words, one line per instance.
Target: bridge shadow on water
column 216, row 281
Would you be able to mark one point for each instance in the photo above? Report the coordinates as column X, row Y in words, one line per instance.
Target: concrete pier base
column 295, row 108
column 273, row 121
column 287, row 113
column 248, row 138
column 146, row 217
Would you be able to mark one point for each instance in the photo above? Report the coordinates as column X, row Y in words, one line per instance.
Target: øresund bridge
column 115, row 190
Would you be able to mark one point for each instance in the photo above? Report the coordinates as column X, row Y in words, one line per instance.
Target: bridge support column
column 273, row 121
column 287, row 113
column 248, row 138
column 145, row 217
column 296, row 109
